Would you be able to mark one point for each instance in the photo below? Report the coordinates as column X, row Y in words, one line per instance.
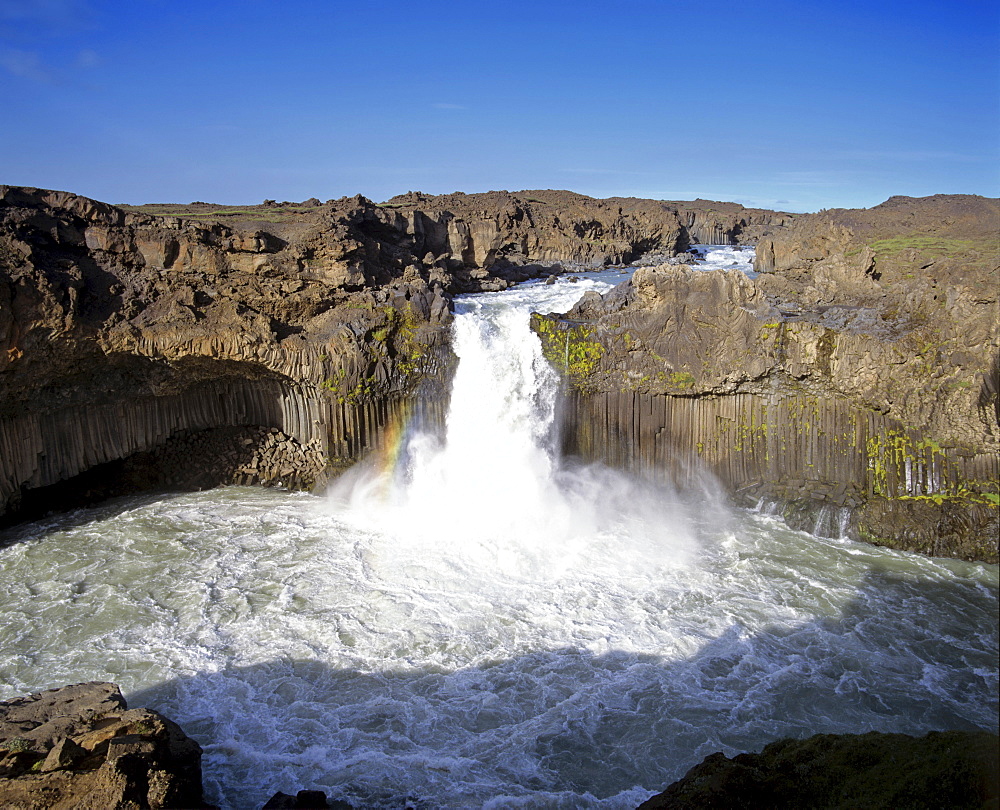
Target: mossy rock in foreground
column 953, row 769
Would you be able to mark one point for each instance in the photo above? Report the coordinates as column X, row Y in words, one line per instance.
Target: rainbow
column 394, row 436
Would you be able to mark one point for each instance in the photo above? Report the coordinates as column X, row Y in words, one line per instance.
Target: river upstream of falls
column 468, row 621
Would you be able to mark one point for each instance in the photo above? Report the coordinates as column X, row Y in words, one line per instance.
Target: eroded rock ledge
column 81, row 746
column 854, row 380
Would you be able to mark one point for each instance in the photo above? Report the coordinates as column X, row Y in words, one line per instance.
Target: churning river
column 467, row 621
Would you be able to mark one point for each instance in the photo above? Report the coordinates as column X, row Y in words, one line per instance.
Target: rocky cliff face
column 858, row 370
column 708, row 222
column 499, row 229
column 270, row 342
column 120, row 332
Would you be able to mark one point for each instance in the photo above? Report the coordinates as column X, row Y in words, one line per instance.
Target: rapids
column 466, row 620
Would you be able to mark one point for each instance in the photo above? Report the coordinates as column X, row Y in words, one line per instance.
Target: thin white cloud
column 28, row 22
column 24, row 65
column 29, row 65
column 56, row 15
column 87, row 59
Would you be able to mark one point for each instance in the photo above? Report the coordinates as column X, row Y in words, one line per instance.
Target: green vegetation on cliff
column 904, row 468
column 934, row 246
column 391, row 355
column 571, row 349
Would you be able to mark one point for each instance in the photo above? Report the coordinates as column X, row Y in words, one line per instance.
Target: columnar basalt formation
column 857, row 371
column 120, row 332
column 708, row 222
column 123, row 331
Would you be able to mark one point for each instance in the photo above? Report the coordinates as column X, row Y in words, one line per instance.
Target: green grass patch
column 931, row 245
column 268, row 214
column 682, row 379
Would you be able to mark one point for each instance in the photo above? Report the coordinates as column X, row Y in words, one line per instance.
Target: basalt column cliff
column 854, row 379
column 197, row 345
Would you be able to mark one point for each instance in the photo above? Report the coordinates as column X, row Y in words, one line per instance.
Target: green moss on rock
column 571, row 348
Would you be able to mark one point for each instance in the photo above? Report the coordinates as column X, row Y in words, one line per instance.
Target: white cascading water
column 476, row 625
column 492, row 491
column 722, row 257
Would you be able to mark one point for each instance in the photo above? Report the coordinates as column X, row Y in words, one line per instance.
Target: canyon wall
column 854, row 380
column 544, row 226
column 272, row 344
column 707, row 222
column 121, row 332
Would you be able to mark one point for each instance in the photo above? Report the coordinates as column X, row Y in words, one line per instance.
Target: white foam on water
column 554, row 637
column 492, row 493
column 725, row 257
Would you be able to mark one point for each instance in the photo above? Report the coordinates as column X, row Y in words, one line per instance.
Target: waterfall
column 493, row 483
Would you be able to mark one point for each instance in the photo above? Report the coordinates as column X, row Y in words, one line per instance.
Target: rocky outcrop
column 542, row 227
column 500, row 232
column 122, row 332
column 952, row 769
column 843, row 376
column 708, row 222
column 466, row 242
column 304, row 800
column 81, row 747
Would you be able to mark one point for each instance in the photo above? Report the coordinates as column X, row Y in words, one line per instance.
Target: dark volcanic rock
column 847, row 372
column 123, row 330
column 121, row 333
column 502, row 231
column 952, row 769
column 304, row 800
column 81, row 747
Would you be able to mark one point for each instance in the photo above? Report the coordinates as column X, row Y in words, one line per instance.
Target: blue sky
column 794, row 105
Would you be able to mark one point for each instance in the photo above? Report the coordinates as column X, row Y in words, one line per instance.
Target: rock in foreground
column 953, row 769
column 81, row 747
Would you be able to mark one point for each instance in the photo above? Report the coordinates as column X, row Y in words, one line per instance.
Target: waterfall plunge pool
column 466, row 621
